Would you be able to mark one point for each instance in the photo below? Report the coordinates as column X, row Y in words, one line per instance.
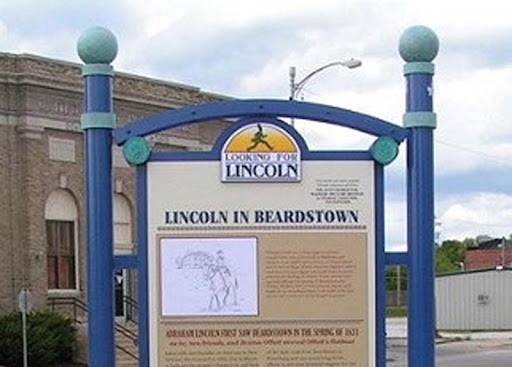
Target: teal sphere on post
column 97, row 45
column 418, row 44
column 384, row 150
column 136, row 150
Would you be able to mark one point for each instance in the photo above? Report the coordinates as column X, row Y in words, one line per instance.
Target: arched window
column 123, row 244
column 61, row 217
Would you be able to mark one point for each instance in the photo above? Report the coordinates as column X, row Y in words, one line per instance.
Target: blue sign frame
column 418, row 47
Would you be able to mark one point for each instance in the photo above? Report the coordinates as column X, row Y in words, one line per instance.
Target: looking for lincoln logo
column 261, row 152
column 259, row 138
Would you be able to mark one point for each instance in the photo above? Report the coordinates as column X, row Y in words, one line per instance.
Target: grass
column 396, row 312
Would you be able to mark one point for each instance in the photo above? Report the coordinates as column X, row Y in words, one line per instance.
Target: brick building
column 489, row 255
column 42, row 229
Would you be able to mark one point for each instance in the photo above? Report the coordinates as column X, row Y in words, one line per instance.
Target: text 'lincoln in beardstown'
column 297, row 216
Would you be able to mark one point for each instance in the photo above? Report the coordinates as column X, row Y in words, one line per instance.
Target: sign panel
column 25, row 303
column 261, row 274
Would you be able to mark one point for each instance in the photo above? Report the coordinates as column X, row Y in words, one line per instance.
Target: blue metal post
column 97, row 47
column 380, row 269
column 142, row 254
column 418, row 47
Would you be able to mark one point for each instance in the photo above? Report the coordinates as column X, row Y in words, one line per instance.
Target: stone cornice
column 56, row 74
column 47, row 93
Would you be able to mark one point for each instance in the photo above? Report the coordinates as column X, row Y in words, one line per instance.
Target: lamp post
column 296, row 87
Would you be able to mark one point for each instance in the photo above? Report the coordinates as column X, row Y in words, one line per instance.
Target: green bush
column 51, row 339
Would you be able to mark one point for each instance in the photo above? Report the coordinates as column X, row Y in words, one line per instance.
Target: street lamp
column 296, row 87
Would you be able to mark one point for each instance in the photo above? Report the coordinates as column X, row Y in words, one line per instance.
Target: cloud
column 245, row 49
column 395, row 225
column 51, row 28
column 216, row 58
column 466, row 215
column 218, row 52
column 473, row 214
column 322, row 136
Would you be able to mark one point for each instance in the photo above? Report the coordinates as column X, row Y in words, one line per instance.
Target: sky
column 244, row 49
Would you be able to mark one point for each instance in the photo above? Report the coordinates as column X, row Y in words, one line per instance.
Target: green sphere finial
column 97, row 45
column 418, row 44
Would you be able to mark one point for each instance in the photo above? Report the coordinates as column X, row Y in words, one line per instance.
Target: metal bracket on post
column 136, row 151
column 97, row 47
column 418, row 47
column 384, row 150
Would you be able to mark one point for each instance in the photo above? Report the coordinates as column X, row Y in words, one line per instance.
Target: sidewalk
column 477, row 335
column 396, row 328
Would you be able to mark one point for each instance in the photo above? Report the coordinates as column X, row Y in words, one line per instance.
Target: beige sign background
column 315, row 266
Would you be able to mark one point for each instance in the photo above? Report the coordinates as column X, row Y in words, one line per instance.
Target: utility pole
column 503, row 262
column 398, row 286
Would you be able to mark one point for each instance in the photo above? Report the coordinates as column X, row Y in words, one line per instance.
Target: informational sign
column 261, row 273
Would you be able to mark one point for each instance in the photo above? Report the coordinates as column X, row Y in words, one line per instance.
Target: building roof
column 472, row 272
column 491, row 244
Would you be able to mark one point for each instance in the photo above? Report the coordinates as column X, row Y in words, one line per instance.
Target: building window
column 61, row 218
column 60, row 236
column 123, row 244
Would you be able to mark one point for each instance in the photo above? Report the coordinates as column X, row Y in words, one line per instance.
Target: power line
column 448, row 144
column 478, row 223
column 473, row 151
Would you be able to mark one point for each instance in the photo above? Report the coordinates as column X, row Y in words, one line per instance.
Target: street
column 478, row 349
column 468, row 353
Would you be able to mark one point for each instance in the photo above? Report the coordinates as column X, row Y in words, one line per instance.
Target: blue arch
column 259, row 107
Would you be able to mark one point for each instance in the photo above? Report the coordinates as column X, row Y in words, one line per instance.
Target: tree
column 443, row 262
column 470, row 242
column 392, row 278
column 450, row 255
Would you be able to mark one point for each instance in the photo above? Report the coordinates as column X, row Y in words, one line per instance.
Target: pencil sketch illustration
column 209, row 276
column 220, row 280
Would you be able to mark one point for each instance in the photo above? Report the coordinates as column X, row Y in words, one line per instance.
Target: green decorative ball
column 97, row 45
column 384, row 150
column 418, row 44
column 136, row 151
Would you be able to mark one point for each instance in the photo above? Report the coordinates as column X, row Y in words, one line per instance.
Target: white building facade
column 478, row 300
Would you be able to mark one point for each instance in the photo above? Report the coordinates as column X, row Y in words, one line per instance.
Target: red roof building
column 490, row 254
